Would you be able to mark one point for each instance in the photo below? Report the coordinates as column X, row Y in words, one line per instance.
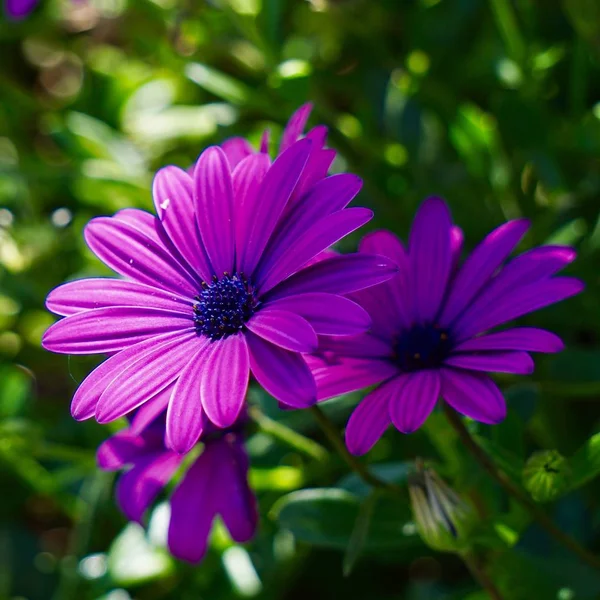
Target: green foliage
column 492, row 104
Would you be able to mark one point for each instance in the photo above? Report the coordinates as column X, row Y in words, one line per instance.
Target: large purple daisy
column 430, row 324
column 231, row 277
column 216, row 483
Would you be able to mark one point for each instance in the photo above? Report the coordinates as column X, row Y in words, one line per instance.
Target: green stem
column 509, row 29
column 480, row 576
column 287, row 436
column 516, row 492
column 332, row 434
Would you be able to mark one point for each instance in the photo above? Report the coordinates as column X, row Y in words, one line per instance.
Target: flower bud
column 546, row 475
column 443, row 518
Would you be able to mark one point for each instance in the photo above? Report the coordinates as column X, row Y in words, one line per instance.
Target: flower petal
column 83, row 405
column 236, row 149
column 328, row 196
column 225, row 380
column 348, row 374
column 194, row 507
column 473, row 395
column 112, row 329
column 131, row 253
column 430, row 257
column 185, row 417
column 395, row 291
column 284, row 329
column 528, row 339
column 259, row 213
column 142, row 379
column 337, row 275
column 370, row 418
column 328, row 314
column 120, row 450
column 150, row 410
column 173, row 192
column 519, row 363
column 237, row 505
column 480, row 266
column 88, row 294
column 515, row 303
column 320, row 236
column 364, row 345
column 414, row 399
column 295, row 126
column 213, row 195
column 138, row 487
column 283, row 374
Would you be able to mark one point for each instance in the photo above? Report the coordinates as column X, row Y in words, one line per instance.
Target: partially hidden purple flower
column 232, row 277
column 19, row 9
column 215, row 484
column 430, row 324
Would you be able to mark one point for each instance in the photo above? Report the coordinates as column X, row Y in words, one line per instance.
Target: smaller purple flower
column 215, row 484
column 430, row 324
column 19, row 9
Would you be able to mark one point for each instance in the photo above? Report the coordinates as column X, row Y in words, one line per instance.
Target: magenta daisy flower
column 430, row 333
column 19, row 9
column 216, row 483
column 231, row 277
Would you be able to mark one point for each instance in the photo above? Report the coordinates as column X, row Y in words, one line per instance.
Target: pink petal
column 236, row 149
column 283, row 374
column 415, row 398
column 295, row 127
column 225, row 380
column 284, row 329
column 213, row 195
column 519, row 363
column 150, row 410
column 528, row 339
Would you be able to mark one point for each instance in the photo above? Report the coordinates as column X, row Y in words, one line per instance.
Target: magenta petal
column 120, row 450
column 364, row 345
column 348, row 374
column 259, row 213
column 185, row 417
column 236, row 149
column 519, row 363
column 284, row 329
column 138, row 487
column 370, row 419
column 528, row 339
column 83, row 405
column 415, row 398
column 144, row 378
column 225, row 380
column 515, row 303
column 473, row 395
column 327, row 197
column 316, row 169
column 237, row 505
column 480, row 266
column 395, row 291
column 337, row 275
column 457, row 239
column 320, row 236
column 430, row 257
column 295, row 126
column 19, row 9
column 131, row 253
column 111, row 329
column 150, row 410
column 214, row 208
column 173, row 192
column 328, row 314
column 88, row 294
column 283, row 374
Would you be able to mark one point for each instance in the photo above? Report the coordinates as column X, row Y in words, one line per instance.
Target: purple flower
column 215, row 484
column 19, row 9
column 231, row 277
column 429, row 334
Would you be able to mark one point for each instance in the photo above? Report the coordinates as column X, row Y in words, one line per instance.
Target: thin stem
column 332, row 434
column 516, row 492
column 287, row 436
column 506, row 21
column 480, row 576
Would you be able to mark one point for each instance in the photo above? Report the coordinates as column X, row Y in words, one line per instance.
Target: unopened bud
column 546, row 475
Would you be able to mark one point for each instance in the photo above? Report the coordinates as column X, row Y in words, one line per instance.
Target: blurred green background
column 493, row 104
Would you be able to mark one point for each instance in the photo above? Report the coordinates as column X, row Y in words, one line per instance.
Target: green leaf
column 585, row 463
column 359, row 533
column 327, row 517
column 394, row 472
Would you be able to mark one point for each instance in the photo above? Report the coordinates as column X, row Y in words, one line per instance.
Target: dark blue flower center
column 422, row 347
column 224, row 305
